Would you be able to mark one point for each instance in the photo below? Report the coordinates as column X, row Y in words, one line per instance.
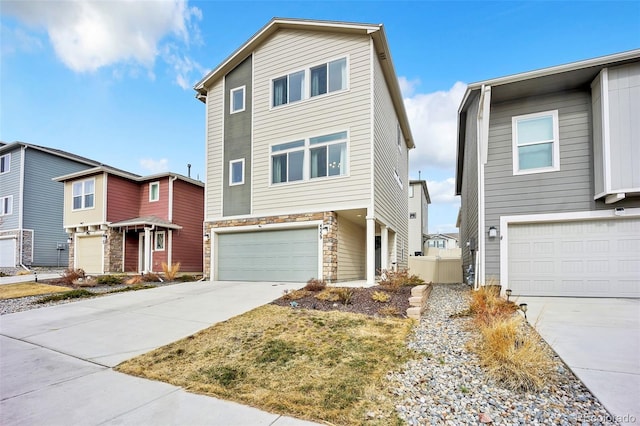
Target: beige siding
column 351, row 250
column 289, row 51
column 215, row 115
column 91, row 216
column 390, row 201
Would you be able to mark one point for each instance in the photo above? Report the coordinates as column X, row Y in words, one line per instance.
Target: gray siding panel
column 10, row 185
column 237, row 141
column 43, row 205
column 469, row 187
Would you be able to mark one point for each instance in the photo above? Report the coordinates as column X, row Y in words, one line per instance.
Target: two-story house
column 418, row 216
column 121, row 222
column 307, row 155
column 31, row 232
column 548, row 168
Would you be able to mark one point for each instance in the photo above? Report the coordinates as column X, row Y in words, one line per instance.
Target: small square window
column 5, row 163
column 412, row 216
column 159, row 245
column 536, row 146
column 237, row 100
column 154, row 191
column 236, row 172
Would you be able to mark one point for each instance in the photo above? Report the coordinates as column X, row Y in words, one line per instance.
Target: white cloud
column 90, row 34
column 433, row 119
column 408, row 87
column 155, row 166
column 442, row 191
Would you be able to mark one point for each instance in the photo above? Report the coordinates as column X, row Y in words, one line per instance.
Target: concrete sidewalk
column 55, row 362
column 15, row 279
column 599, row 339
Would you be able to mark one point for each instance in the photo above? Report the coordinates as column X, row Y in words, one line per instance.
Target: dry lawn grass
column 13, row 291
column 322, row 366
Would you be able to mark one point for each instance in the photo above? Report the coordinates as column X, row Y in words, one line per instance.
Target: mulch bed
column 361, row 303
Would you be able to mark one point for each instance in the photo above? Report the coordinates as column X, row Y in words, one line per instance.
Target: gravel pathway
column 448, row 387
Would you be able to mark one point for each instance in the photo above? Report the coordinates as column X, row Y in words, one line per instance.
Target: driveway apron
column 599, row 339
column 56, row 362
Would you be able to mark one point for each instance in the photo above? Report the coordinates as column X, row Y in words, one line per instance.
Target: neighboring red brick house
column 121, row 222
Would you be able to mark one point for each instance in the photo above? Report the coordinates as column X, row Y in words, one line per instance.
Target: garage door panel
column 8, row 252
column 588, row 258
column 89, row 254
column 285, row 255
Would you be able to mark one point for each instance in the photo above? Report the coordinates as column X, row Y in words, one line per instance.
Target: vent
column 382, row 56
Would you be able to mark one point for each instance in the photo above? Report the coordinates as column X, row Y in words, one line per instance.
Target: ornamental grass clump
column 486, row 305
column 170, row 270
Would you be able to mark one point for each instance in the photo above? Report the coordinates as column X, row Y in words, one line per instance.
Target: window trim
column 83, row 182
column 244, row 99
column 7, row 162
column 164, row 241
column 306, row 149
column 555, row 150
column 9, row 211
column 151, row 185
column 231, row 163
column 306, row 95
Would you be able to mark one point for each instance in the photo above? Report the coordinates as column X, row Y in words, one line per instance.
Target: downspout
column 21, row 209
column 484, row 109
column 370, row 237
column 170, row 217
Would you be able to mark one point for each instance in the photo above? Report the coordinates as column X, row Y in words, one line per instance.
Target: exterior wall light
column 325, row 230
column 206, row 236
column 69, row 240
column 508, row 291
column 104, row 238
column 493, row 232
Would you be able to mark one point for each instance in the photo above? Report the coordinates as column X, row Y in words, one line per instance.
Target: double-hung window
column 159, row 245
column 287, row 162
column 236, row 100
column 5, row 163
column 329, row 77
column 154, row 191
column 83, row 194
column 328, row 155
column 6, row 205
column 536, row 145
column 288, row 89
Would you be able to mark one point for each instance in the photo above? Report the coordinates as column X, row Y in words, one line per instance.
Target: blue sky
column 112, row 80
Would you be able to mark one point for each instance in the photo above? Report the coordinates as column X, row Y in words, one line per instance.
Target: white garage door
column 597, row 258
column 286, row 255
column 89, row 254
column 8, row 252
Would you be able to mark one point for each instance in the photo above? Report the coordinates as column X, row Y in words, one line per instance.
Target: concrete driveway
column 55, row 362
column 599, row 339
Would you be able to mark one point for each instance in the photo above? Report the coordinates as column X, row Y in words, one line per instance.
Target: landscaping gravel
column 448, row 387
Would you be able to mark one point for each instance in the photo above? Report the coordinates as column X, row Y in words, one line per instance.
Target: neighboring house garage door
column 89, row 254
column 596, row 258
column 8, row 252
column 286, row 255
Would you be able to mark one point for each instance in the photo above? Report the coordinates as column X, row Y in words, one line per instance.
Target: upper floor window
column 328, row 155
column 316, row 157
column 396, row 175
column 411, row 191
column 288, row 89
column 287, row 162
column 154, row 191
column 237, row 100
column 6, row 205
column 236, row 172
column 83, row 194
column 536, row 145
column 317, row 80
column 5, row 163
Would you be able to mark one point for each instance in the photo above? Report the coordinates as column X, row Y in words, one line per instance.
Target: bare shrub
column 486, row 305
column 315, row 284
column 389, row 311
column 295, row 294
column 393, row 280
column 70, row 276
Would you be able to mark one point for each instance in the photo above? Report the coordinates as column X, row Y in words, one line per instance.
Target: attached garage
column 88, row 254
column 586, row 258
column 7, row 252
column 279, row 255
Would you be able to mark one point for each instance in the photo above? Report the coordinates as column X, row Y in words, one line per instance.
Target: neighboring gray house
column 307, row 156
column 548, row 169
column 447, row 241
column 31, row 203
column 418, row 216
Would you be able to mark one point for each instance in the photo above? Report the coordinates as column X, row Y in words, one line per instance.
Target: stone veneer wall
column 27, row 247
column 329, row 242
column 113, row 252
